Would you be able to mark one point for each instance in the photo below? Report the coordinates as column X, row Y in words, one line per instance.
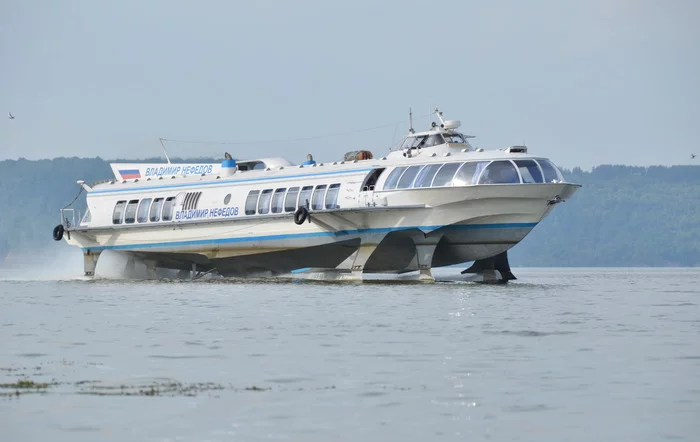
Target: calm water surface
column 560, row 354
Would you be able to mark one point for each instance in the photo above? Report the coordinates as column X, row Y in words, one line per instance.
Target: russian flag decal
column 128, row 174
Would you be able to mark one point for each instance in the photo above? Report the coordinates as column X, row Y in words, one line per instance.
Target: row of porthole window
column 288, row 200
column 474, row 172
column 145, row 210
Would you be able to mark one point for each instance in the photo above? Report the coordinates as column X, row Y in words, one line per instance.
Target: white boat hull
column 462, row 224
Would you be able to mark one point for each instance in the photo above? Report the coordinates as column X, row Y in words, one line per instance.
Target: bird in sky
column 227, row 156
column 12, row 117
column 692, row 156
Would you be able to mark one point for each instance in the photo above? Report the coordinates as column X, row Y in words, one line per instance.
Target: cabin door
column 367, row 196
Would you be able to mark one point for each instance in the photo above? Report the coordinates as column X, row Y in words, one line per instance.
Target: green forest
column 623, row 216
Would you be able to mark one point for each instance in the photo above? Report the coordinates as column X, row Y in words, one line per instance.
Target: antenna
column 164, row 151
column 410, row 121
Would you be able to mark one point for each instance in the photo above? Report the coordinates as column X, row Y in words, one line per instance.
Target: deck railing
column 68, row 218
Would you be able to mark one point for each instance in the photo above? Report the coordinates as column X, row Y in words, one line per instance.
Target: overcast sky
column 582, row 82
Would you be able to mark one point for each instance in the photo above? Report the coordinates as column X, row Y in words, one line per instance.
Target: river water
column 559, row 354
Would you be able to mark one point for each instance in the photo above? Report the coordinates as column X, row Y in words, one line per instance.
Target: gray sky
column 582, row 82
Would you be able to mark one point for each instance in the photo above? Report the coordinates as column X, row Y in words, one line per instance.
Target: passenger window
column 407, row 177
column 426, row 175
column 154, row 216
column 264, row 203
column 278, row 201
column 445, row 174
column 550, row 172
column 499, row 172
column 529, row 171
column 466, row 175
column 118, row 212
column 168, row 207
column 317, row 200
column 290, row 201
column 251, row 202
column 305, row 196
column 393, row 178
column 130, row 212
column 142, row 214
column 480, row 166
column 332, row 196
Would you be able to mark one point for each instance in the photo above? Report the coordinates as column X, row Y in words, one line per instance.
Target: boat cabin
column 423, row 140
column 440, row 138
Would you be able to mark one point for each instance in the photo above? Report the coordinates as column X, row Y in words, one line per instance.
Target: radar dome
column 452, row 124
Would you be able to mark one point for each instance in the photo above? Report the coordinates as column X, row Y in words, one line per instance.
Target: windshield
column 421, row 141
column 454, row 138
column 412, row 142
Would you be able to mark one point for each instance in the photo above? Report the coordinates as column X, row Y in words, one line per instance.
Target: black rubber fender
column 58, row 232
column 300, row 215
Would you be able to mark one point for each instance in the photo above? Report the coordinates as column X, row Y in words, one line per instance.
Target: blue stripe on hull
column 305, row 235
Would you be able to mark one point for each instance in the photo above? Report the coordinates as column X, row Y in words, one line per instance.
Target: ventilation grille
column 191, row 200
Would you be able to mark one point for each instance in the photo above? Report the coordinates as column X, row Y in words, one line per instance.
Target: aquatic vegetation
column 158, row 387
column 151, row 389
column 169, row 389
column 25, row 384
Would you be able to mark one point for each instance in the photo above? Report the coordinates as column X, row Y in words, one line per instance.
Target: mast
column 439, row 115
column 164, row 151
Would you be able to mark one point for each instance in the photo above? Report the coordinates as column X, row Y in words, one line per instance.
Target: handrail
column 68, row 218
